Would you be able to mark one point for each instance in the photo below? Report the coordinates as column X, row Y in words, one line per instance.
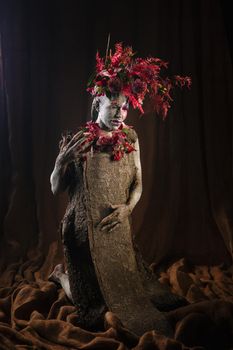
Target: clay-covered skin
column 111, row 115
column 80, row 281
column 101, row 257
column 112, row 112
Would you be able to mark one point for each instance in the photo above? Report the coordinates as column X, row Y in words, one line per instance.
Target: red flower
column 115, row 59
column 138, row 86
column 127, row 55
column 182, row 81
column 135, row 78
column 99, row 62
column 132, row 99
column 157, row 61
column 161, row 105
column 114, row 85
column 91, row 90
column 117, row 144
column 129, row 148
column 93, row 128
column 102, row 140
column 117, row 155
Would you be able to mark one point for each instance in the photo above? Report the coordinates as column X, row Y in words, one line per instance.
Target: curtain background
column 47, row 55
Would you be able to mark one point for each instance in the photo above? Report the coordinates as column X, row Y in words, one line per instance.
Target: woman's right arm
column 58, row 178
column 70, row 150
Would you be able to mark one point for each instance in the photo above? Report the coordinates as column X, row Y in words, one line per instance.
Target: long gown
column 104, row 268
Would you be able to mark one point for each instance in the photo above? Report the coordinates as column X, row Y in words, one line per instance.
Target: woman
column 100, row 168
column 80, row 283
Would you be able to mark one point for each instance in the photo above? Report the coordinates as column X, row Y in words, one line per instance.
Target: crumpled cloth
column 37, row 315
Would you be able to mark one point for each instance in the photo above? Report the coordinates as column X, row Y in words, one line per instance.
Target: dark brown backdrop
column 48, row 53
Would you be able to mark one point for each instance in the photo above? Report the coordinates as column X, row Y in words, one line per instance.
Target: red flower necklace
column 116, row 142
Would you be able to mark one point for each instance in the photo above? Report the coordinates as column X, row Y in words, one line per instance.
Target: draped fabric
column 37, row 315
column 47, row 54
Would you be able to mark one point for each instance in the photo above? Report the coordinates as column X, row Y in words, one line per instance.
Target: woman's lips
column 116, row 122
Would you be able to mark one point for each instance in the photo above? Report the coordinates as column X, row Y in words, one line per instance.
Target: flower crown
column 135, row 78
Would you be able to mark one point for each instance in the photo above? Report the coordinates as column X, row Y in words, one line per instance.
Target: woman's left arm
column 136, row 189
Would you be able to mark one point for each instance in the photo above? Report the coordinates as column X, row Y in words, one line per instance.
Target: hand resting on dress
column 119, row 214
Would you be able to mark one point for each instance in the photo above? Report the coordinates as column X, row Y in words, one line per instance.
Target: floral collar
column 117, row 142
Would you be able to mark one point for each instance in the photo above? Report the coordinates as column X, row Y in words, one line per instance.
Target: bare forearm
column 136, row 189
column 135, row 194
column 57, row 177
column 70, row 151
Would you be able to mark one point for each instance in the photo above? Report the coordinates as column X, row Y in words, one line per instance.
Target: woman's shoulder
column 131, row 133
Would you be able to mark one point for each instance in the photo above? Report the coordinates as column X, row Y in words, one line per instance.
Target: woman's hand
column 119, row 214
column 74, row 149
column 70, row 151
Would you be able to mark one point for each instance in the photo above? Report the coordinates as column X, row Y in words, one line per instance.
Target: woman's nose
column 118, row 113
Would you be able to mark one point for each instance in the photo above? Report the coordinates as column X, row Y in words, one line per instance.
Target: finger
column 77, row 143
column 72, row 150
column 75, row 146
column 62, row 143
column 66, row 145
column 113, row 228
column 115, row 206
column 107, row 219
column 110, row 226
column 85, row 147
column 76, row 137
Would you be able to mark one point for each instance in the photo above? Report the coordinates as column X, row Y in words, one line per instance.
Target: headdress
column 136, row 78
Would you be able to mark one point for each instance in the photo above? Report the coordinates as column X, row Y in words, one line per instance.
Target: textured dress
column 104, row 268
column 85, row 290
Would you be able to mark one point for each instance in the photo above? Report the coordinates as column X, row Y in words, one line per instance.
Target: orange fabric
column 35, row 314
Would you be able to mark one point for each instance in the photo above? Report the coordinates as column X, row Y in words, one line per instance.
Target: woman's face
column 112, row 112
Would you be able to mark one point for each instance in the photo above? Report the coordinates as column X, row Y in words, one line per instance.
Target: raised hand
column 75, row 148
column 70, row 151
